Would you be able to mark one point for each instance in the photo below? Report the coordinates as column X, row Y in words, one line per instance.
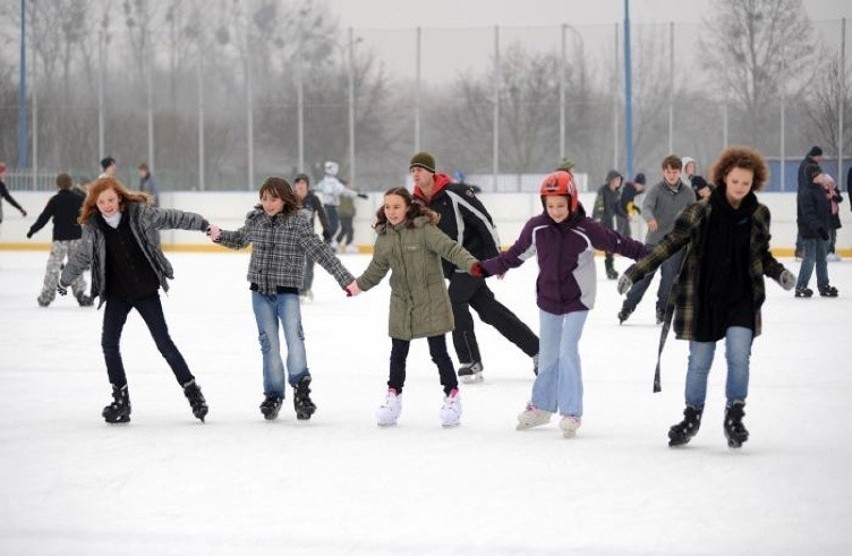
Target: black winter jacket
column 64, row 208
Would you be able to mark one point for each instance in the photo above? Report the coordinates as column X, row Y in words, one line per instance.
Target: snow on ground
column 167, row 484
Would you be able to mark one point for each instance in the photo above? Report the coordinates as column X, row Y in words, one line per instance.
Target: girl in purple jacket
column 565, row 240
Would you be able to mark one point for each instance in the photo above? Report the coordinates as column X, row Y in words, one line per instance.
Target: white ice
column 338, row 484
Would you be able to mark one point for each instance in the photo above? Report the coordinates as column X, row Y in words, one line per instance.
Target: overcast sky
column 484, row 13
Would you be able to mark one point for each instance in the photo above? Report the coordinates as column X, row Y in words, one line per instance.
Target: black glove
column 363, row 196
column 823, row 234
column 62, row 290
column 29, row 235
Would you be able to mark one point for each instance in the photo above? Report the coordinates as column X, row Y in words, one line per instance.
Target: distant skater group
column 439, row 244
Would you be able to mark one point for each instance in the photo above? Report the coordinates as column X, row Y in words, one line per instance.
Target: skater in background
column 688, row 171
column 663, row 202
column 347, row 211
column 410, row 246
column 64, row 209
column 4, row 194
column 809, row 168
column 465, row 219
column 719, row 292
column 627, row 207
column 564, row 240
column 281, row 237
column 109, row 167
column 606, row 213
column 702, row 188
column 331, row 189
column 148, row 184
column 121, row 244
column 813, row 218
column 832, row 193
column 312, row 204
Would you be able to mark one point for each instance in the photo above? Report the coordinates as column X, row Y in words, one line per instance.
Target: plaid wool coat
column 279, row 246
column 689, row 231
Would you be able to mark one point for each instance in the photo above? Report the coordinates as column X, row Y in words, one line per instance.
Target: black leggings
column 438, row 351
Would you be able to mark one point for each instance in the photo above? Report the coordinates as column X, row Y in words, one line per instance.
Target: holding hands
column 352, row 289
column 213, row 232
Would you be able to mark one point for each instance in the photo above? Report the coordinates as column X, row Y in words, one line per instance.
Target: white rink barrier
column 509, row 210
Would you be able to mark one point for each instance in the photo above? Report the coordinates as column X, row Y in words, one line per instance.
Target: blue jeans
column 115, row 315
column 268, row 310
column 668, row 273
column 737, row 353
column 559, row 384
column 814, row 255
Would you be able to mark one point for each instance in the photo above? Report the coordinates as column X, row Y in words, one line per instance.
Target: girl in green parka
column 410, row 245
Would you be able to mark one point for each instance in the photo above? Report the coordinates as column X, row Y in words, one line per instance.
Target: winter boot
column 44, row 300
column 84, row 300
column 569, row 425
column 119, row 410
column 471, row 373
column 532, row 417
column 804, row 292
column 270, row 406
column 451, row 411
column 388, row 413
column 196, row 399
column 302, row 399
column 683, row 432
column 735, row 431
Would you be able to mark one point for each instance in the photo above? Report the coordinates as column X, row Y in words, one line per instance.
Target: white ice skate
column 532, row 417
column 388, row 414
column 451, row 411
column 569, row 425
column 471, row 373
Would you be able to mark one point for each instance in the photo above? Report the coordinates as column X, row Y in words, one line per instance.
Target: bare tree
column 751, row 47
column 821, row 103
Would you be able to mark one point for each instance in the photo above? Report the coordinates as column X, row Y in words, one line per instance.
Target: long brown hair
column 412, row 209
column 90, row 205
column 280, row 189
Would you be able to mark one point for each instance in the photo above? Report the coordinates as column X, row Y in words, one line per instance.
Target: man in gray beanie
column 465, row 219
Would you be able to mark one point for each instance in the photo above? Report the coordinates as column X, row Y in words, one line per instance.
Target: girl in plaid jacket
column 281, row 236
column 719, row 289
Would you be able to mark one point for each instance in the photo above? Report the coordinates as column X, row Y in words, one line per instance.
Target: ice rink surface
column 338, row 484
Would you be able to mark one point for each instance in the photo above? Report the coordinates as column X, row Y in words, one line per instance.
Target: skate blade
column 119, row 421
column 386, row 425
column 472, row 379
column 450, row 425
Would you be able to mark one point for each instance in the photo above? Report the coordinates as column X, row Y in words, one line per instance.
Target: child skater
column 63, row 208
column 565, row 240
column 121, row 244
column 281, row 236
column 410, row 245
column 719, row 289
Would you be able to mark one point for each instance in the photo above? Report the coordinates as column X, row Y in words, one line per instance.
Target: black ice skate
column 683, row 432
column 119, row 410
column 624, row 314
column 735, row 431
column 270, row 407
column 302, row 399
column 196, row 399
column 471, row 373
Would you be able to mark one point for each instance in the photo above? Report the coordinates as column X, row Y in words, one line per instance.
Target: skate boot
column 43, row 300
column 84, row 300
column 270, row 406
column 805, row 292
column 471, row 373
column 119, row 410
column 451, row 411
column 388, row 413
column 735, row 431
column 624, row 314
column 569, row 425
column 196, row 399
column 302, row 399
column 683, row 432
column 828, row 291
column 532, row 417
